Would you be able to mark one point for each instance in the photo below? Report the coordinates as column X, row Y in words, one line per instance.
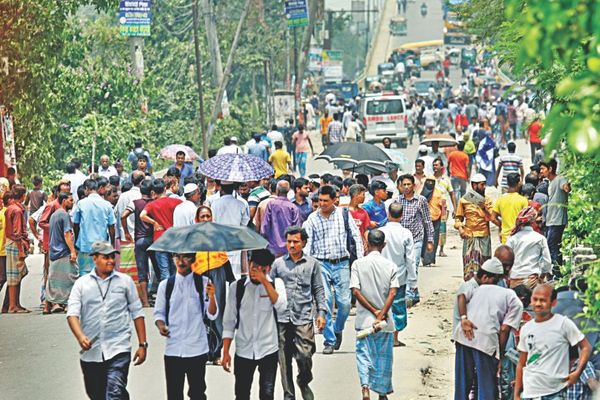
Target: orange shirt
column 436, row 205
column 458, row 162
column 324, row 122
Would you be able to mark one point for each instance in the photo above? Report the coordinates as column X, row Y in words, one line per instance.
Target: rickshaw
column 398, row 26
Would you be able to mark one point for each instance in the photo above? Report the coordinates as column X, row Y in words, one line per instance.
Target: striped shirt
column 336, row 132
column 327, row 236
column 510, row 163
column 415, row 217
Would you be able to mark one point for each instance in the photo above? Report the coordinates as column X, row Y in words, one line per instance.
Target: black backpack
column 198, row 282
column 239, row 294
column 350, row 242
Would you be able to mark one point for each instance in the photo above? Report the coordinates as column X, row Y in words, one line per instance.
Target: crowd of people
column 334, row 243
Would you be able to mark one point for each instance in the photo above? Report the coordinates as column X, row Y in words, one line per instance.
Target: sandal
column 19, row 311
column 57, row 309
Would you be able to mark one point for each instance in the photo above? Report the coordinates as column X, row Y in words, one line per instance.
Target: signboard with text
column 296, row 12
column 315, row 59
column 333, row 65
column 135, row 17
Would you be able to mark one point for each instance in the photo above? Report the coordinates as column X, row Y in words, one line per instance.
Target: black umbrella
column 208, row 236
column 368, row 169
column 355, row 153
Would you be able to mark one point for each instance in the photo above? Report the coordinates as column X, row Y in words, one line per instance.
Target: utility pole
column 368, row 27
column 296, row 83
column 227, row 72
column 210, row 23
column 205, row 143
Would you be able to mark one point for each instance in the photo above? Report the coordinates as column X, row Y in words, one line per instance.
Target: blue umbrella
column 235, row 167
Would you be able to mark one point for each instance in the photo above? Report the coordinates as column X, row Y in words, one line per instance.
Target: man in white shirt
column 125, row 199
column 101, row 307
column 182, row 302
column 252, row 307
column 229, row 210
column 543, row 368
column 399, row 248
column 75, row 176
column 374, row 282
column 493, row 311
column 533, row 263
column 275, row 136
column 185, row 213
column 105, row 169
column 229, row 147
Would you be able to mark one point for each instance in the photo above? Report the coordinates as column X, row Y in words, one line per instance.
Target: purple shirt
column 280, row 214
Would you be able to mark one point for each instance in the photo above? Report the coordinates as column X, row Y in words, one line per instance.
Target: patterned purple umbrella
column 236, row 167
column 169, row 152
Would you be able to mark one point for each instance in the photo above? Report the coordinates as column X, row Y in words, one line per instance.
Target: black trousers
column 107, row 380
column 295, row 341
column 176, row 369
column 243, row 369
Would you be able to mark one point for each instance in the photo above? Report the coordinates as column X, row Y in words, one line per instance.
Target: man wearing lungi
column 473, row 213
column 374, row 282
column 63, row 270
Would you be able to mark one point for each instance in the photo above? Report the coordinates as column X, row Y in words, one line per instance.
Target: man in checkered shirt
column 417, row 220
column 327, row 243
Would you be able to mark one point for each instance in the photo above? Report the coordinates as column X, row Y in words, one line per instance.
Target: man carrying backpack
column 182, row 301
column 252, row 308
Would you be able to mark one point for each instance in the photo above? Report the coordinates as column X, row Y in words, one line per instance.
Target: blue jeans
column 338, row 277
column 165, row 264
column 554, row 236
column 411, row 295
column 301, row 161
column 142, row 257
column 474, row 366
column 107, row 379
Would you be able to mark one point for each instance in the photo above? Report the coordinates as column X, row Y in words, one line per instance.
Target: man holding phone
column 100, row 309
column 182, row 302
column 252, row 307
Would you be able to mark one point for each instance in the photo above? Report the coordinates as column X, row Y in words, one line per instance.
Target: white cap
column 423, row 148
column 234, row 139
column 493, row 265
column 190, row 188
column 477, row 178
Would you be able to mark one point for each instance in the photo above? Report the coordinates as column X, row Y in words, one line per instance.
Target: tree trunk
column 212, row 40
column 313, row 6
column 227, row 72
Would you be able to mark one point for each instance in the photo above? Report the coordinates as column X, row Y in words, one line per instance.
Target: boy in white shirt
column 543, row 368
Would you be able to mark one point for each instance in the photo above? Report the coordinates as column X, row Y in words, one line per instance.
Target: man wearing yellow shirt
column 324, row 124
column 436, row 205
column 507, row 207
column 472, row 220
column 280, row 160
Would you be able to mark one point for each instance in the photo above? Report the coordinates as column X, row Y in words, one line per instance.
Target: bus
column 431, row 52
column 454, row 30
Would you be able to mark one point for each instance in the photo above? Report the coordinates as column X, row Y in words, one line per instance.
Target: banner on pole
column 296, row 12
column 135, row 17
column 315, row 59
column 333, row 65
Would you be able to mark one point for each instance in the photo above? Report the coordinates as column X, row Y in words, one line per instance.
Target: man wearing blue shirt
column 185, row 169
column 93, row 220
column 376, row 206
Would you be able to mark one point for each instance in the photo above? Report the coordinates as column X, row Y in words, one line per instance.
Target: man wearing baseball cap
column 472, row 216
column 492, row 311
column 185, row 213
column 100, row 309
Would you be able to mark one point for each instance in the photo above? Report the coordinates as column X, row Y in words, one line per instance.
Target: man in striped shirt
column 417, row 220
column 509, row 163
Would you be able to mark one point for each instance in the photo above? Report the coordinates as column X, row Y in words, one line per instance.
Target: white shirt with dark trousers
column 187, row 333
column 547, row 347
column 186, row 351
column 257, row 338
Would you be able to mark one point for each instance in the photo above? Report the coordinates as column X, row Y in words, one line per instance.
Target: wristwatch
column 144, row 345
column 463, row 317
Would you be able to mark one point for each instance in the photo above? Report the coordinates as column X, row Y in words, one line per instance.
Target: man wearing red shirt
column 533, row 135
column 458, row 166
column 361, row 217
column 159, row 214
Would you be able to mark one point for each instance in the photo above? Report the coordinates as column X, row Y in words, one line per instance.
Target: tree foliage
column 71, row 79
